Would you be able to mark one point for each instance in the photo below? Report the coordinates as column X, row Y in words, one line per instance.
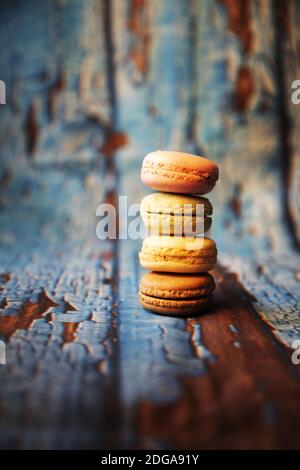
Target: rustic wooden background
column 91, row 87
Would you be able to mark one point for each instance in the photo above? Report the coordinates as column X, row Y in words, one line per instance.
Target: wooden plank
column 287, row 22
column 231, row 115
column 159, row 103
column 87, row 366
column 247, row 225
column 57, row 279
column 153, row 350
column 247, row 399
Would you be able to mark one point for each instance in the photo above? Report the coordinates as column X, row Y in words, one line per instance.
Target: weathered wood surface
column 92, row 86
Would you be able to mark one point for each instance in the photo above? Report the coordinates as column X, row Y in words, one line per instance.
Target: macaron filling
column 167, row 224
column 174, row 303
column 175, row 294
column 176, row 307
column 152, row 258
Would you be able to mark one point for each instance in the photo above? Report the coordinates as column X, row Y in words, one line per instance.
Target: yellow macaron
column 169, row 214
column 178, row 254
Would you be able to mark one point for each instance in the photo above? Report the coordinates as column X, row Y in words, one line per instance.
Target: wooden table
column 93, row 86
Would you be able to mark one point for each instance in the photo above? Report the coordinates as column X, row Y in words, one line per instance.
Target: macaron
column 179, row 294
column 169, row 214
column 178, row 254
column 178, row 172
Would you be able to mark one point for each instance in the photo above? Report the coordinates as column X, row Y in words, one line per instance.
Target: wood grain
column 247, row 399
column 92, row 87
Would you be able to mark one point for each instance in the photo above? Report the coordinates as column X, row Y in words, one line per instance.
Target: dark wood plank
column 286, row 16
column 246, row 399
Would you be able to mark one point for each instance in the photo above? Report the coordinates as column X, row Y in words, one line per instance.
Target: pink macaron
column 178, row 172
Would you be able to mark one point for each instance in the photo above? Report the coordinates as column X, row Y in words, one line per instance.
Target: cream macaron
column 169, row 214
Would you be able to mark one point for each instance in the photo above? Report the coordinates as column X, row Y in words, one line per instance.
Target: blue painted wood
column 249, row 223
column 57, row 278
column 93, row 86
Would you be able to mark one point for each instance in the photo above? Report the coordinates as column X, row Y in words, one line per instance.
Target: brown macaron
column 176, row 294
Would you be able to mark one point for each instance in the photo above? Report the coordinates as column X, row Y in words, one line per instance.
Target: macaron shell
column 176, row 307
column 178, row 172
column 166, row 203
column 177, row 286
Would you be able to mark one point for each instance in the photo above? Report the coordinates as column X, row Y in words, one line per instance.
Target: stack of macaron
column 176, row 251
